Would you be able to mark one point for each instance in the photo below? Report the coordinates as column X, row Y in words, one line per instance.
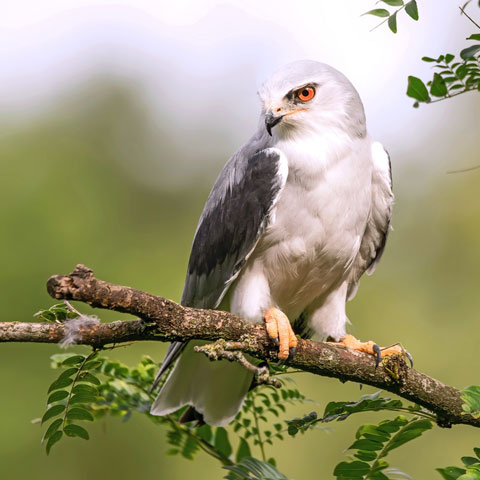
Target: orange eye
column 305, row 94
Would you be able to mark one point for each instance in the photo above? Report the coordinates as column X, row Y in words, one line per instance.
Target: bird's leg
column 372, row 348
column 280, row 332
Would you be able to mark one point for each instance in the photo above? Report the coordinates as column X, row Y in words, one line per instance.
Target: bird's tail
column 215, row 389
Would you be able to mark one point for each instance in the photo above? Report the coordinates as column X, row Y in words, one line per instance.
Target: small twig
column 469, row 17
column 222, row 350
column 463, row 170
column 452, row 95
column 72, row 308
column 259, row 432
column 386, row 19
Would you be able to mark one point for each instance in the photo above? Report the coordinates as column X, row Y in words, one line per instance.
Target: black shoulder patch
column 228, row 232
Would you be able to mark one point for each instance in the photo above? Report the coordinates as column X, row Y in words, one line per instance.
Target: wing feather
column 379, row 222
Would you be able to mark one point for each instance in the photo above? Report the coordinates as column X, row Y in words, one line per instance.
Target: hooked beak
column 271, row 120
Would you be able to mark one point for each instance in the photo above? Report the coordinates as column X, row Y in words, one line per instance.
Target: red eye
column 305, row 94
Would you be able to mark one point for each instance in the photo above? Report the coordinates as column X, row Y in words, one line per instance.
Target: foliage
column 93, row 386
column 90, row 387
column 374, row 442
column 471, row 397
column 410, row 7
column 453, row 76
column 56, row 313
column 470, row 470
column 342, row 410
column 252, row 469
column 70, row 397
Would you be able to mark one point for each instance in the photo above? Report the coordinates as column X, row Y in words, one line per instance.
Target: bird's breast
column 316, row 229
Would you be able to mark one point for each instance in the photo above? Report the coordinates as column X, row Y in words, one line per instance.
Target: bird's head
column 309, row 97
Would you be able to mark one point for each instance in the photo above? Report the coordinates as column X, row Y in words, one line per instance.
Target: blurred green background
column 98, row 175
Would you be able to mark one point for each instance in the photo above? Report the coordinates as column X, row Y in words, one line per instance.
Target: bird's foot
column 280, row 332
column 372, row 348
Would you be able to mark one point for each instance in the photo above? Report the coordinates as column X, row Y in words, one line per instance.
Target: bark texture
column 165, row 320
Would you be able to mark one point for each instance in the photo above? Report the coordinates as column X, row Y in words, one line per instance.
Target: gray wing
column 237, row 212
column 378, row 225
column 235, row 215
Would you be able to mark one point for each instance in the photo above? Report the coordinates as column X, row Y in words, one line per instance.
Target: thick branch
column 165, row 320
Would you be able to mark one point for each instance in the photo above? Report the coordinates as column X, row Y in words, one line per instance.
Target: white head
column 308, row 96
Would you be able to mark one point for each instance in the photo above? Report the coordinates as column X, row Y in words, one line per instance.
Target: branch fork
column 232, row 351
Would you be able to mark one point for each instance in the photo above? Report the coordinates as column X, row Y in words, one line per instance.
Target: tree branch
column 164, row 320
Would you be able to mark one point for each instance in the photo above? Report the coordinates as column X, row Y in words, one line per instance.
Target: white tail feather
column 215, row 389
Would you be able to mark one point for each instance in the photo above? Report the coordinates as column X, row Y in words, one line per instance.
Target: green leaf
column 393, row 3
column 79, row 414
column 470, row 52
column 378, row 12
column 87, row 389
column 364, row 444
column 74, row 360
column 189, row 448
column 474, row 36
column 366, row 403
column 53, row 412
column 88, row 377
column 52, row 429
column 451, row 473
column 92, row 364
column 60, row 383
column 438, row 87
column 416, row 89
column 470, row 475
column 410, row 431
column 449, row 57
column 222, row 443
column 253, row 469
column 76, row 431
column 68, row 373
column 53, row 440
column 243, row 450
column 428, row 59
column 351, row 470
column 83, row 398
column 467, row 461
column 205, row 432
column 392, row 22
column 412, row 9
column 471, row 396
column 57, row 396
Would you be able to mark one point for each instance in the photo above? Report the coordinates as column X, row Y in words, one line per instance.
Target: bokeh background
column 116, row 117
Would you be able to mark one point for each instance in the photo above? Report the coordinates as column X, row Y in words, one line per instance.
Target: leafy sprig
column 374, row 442
column 411, row 8
column 253, row 469
column 342, row 410
column 469, row 471
column 70, row 397
column 453, row 77
column 57, row 313
column 471, row 397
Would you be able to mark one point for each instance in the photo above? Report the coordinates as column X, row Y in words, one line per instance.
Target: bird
column 296, row 216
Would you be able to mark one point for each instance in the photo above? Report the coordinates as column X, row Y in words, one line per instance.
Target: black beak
column 271, row 120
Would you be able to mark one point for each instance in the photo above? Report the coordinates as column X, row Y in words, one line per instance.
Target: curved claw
column 275, row 341
column 409, row 356
column 291, row 353
column 378, row 354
